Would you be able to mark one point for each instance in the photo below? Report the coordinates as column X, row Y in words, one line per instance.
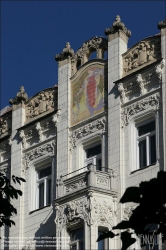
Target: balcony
column 89, row 178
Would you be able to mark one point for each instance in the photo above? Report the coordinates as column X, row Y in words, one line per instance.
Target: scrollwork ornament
column 40, row 151
column 127, row 112
column 144, row 52
column 98, row 125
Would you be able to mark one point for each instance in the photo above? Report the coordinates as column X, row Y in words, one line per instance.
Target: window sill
column 137, row 170
column 33, row 211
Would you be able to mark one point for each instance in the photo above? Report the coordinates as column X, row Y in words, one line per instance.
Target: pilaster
column 18, row 119
column 117, row 45
column 162, row 27
column 64, row 74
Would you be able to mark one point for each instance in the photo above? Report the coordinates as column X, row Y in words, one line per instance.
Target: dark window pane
column 142, row 154
column 49, row 191
column 98, row 167
column 93, row 151
column 73, row 247
column 77, row 234
column 152, row 149
column 41, row 195
column 44, row 172
column 146, row 128
column 100, row 243
column 81, row 245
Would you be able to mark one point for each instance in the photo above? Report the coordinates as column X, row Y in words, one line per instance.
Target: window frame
column 77, row 241
column 105, row 241
column 145, row 137
column 44, row 180
column 92, row 159
column 34, row 167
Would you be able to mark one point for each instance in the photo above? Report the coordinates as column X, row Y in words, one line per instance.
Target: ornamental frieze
column 98, row 44
column 45, row 101
column 79, row 184
column 142, row 83
column 5, row 124
column 144, row 52
column 40, row 151
column 98, row 125
column 90, row 209
column 152, row 101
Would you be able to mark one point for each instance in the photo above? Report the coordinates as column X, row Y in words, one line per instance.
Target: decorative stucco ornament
column 122, row 92
column 67, row 52
column 46, row 149
column 146, row 51
column 39, row 130
column 45, row 101
column 147, row 103
column 127, row 212
column 55, row 118
column 162, row 25
column 159, row 68
column 116, row 26
column 23, row 138
column 140, row 82
column 76, row 135
column 3, row 126
column 21, row 97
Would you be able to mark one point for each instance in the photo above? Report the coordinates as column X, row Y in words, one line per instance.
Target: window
column 103, row 244
column 146, row 137
column 44, row 187
column 76, row 239
column 93, row 155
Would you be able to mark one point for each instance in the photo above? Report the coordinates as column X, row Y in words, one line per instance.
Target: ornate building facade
column 81, row 143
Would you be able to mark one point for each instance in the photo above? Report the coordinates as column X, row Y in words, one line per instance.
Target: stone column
column 18, row 119
column 162, row 27
column 64, row 74
column 117, row 45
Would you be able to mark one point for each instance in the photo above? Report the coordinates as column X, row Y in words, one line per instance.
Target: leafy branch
column 149, row 214
column 8, row 192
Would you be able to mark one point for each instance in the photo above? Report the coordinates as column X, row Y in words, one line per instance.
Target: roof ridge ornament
column 21, row 97
column 116, row 26
column 162, row 25
column 66, row 52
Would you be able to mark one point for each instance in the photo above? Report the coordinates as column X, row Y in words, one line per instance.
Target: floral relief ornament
column 39, row 151
column 90, row 210
column 152, row 101
column 90, row 128
column 146, row 51
column 44, row 102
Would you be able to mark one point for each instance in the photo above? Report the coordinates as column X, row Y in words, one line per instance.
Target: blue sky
column 32, row 32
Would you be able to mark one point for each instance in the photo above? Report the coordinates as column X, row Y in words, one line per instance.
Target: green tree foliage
column 150, row 212
column 7, row 193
